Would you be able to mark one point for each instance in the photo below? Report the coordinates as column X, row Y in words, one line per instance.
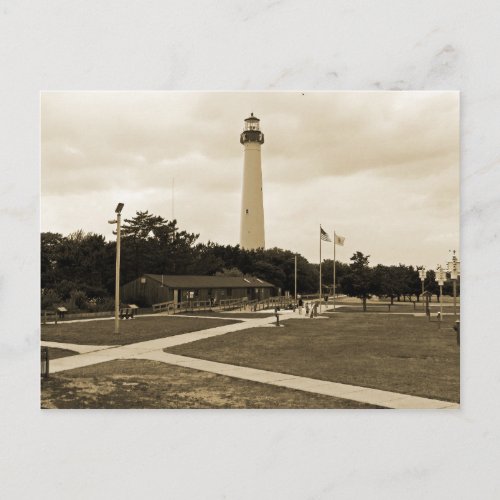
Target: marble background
column 232, row 45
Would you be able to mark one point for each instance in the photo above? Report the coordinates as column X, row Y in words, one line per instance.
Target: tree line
column 78, row 270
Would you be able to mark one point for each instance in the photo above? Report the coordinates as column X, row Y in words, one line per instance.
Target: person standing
column 314, row 310
column 301, row 304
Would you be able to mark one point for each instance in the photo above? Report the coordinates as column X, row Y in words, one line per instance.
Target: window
column 252, row 125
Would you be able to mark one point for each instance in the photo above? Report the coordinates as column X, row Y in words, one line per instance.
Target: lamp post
column 440, row 278
column 117, row 221
column 421, row 274
column 454, row 270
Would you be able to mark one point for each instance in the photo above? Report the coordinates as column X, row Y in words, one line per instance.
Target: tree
column 386, row 281
column 269, row 272
column 430, row 283
column 50, row 247
column 154, row 245
column 414, row 283
column 359, row 281
column 234, row 272
column 341, row 270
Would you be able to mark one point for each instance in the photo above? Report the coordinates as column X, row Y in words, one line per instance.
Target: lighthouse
column 252, row 204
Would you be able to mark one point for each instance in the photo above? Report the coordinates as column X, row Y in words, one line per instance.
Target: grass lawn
column 55, row 352
column 151, row 384
column 397, row 353
column 131, row 331
column 396, row 307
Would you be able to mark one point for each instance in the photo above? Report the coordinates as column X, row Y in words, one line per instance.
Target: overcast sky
column 381, row 168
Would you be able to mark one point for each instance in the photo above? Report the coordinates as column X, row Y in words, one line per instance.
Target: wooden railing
column 163, row 306
column 242, row 304
column 272, row 302
column 186, row 306
column 232, row 304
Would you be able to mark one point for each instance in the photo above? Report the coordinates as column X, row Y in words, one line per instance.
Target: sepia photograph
column 250, row 250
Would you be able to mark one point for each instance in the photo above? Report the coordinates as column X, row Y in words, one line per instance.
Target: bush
column 77, row 300
column 93, row 292
column 101, row 304
column 50, row 299
column 64, row 288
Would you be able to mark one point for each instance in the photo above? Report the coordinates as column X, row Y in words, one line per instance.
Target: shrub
column 104, row 304
column 50, row 299
column 64, row 288
column 77, row 300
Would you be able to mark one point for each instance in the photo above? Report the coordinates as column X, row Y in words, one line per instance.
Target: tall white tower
column 252, row 205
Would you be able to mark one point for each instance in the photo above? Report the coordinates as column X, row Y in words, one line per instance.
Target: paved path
column 354, row 393
column 76, row 347
column 208, row 317
column 133, row 350
column 153, row 350
column 178, row 315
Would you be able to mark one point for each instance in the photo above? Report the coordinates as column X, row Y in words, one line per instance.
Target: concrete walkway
column 76, row 347
column 178, row 315
column 354, row 393
column 134, row 350
column 153, row 350
column 207, row 317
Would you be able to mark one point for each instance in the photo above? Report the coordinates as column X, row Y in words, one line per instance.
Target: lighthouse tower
column 252, row 206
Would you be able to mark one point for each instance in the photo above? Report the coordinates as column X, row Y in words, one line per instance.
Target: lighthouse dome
column 251, row 132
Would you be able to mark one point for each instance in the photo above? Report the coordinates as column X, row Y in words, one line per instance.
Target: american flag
column 324, row 235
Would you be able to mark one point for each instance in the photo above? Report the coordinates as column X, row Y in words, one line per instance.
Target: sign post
column 421, row 274
column 440, row 278
column 454, row 270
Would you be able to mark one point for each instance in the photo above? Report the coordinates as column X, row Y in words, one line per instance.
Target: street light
column 117, row 221
column 421, row 274
column 440, row 278
column 454, row 270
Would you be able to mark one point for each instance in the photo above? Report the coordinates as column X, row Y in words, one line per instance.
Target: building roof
column 252, row 118
column 194, row 281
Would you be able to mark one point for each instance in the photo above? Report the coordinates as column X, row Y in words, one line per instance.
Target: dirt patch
column 151, row 384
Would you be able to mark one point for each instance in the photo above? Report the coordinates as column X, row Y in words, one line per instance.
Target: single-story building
column 152, row 289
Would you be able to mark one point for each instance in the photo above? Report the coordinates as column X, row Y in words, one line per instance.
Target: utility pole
column 320, row 284
column 334, row 268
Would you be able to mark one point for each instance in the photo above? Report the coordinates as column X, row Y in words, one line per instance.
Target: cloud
column 391, row 155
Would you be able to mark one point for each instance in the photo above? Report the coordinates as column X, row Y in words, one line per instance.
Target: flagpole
column 334, row 265
column 319, row 297
column 295, row 279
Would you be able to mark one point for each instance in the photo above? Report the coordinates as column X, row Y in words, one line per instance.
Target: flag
column 339, row 240
column 324, row 235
